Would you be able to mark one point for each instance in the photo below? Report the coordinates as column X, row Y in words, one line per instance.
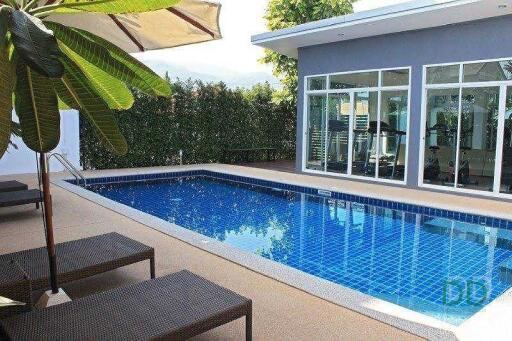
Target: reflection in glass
column 443, row 74
column 317, row 83
column 506, row 164
column 365, row 133
column 338, row 133
column 441, row 136
column 393, row 136
column 479, row 124
column 395, row 77
column 355, row 80
column 488, row 72
column 316, row 132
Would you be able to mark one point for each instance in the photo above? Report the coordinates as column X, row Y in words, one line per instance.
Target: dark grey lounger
column 31, row 196
column 174, row 307
column 12, row 186
column 82, row 258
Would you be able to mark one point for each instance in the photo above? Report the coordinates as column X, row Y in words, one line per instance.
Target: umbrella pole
column 48, row 221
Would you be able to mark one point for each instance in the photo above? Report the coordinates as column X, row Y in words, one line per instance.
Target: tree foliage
column 200, row 119
column 44, row 64
column 287, row 13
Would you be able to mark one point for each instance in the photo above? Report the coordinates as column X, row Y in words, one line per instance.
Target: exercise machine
column 392, row 168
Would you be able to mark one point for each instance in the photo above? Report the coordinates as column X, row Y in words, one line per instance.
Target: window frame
column 351, row 91
column 461, row 85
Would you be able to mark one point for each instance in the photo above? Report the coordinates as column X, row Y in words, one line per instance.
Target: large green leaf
column 37, row 108
column 113, row 91
column 76, row 90
column 7, row 79
column 112, row 6
column 35, row 44
column 111, row 59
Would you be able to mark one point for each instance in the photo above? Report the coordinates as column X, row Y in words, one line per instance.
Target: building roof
column 413, row 15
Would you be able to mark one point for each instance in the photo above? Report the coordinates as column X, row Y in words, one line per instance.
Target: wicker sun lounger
column 82, row 258
column 12, row 186
column 174, row 307
column 31, row 196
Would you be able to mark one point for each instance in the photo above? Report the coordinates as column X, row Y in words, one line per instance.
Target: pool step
column 470, row 232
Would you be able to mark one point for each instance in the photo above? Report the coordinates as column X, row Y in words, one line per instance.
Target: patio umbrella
column 189, row 22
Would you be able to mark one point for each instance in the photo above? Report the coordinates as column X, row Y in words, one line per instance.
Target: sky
column 232, row 59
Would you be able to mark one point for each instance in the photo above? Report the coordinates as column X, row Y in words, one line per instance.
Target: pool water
column 440, row 267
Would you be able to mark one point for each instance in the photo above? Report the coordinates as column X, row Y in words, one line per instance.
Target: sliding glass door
column 506, row 157
column 468, row 127
column 338, row 133
column 365, row 133
column 316, row 132
column 477, row 138
column 356, row 124
column 460, row 137
column 394, row 109
column 442, row 117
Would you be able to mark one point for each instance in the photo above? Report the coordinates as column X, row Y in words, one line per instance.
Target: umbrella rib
column 119, row 24
column 191, row 21
column 125, row 31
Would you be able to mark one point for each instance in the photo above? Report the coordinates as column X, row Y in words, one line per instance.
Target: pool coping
column 378, row 309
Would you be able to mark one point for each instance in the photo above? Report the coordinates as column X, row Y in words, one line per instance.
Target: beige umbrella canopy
column 189, row 22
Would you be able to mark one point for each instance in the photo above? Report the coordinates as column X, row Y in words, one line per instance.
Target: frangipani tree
column 50, row 59
column 82, row 70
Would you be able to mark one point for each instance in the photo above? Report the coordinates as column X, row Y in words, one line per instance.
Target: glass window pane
column 395, row 77
column 317, row 83
column 365, row 133
column 479, row 124
column 316, row 132
column 488, row 72
column 338, row 133
column 506, row 163
column 443, row 74
column 355, row 80
column 393, row 134
column 441, row 136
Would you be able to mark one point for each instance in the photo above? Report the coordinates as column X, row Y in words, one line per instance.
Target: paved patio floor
column 278, row 165
column 280, row 312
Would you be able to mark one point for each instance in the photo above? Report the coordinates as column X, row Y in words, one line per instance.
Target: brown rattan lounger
column 12, row 186
column 31, row 196
column 82, row 258
column 174, row 307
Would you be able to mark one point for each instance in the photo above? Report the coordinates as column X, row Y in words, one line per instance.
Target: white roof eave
column 407, row 16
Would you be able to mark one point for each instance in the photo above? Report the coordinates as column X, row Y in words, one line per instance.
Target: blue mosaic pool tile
column 465, row 217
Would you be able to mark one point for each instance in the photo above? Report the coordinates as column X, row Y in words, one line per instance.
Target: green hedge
column 200, row 119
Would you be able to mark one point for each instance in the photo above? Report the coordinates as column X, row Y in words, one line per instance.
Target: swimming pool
column 440, row 263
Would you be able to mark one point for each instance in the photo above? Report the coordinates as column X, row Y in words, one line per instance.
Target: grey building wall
column 485, row 39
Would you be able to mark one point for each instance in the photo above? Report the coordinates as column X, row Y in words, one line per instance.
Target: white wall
column 23, row 160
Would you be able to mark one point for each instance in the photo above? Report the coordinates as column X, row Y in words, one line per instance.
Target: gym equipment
column 432, row 168
column 387, row 132
column 335, row 127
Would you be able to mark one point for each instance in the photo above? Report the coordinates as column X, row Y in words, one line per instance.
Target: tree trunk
column 48, row 215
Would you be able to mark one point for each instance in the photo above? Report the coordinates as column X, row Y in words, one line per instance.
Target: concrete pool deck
column 281, row 311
